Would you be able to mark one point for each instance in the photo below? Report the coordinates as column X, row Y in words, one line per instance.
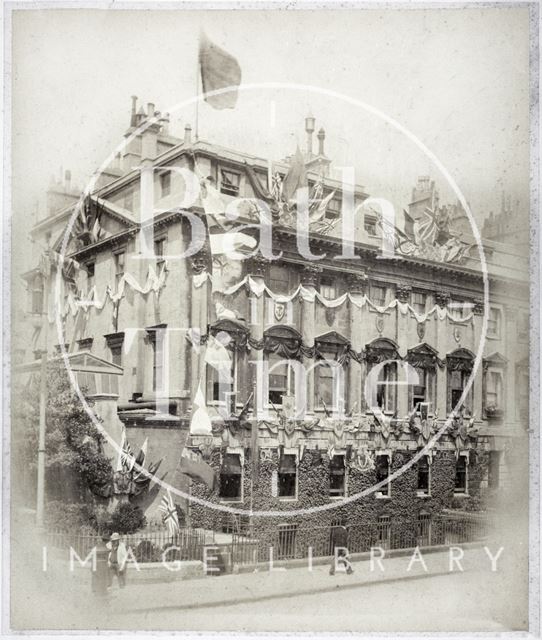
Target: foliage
column 66, row 516
column 126, row 518
column 72, row 441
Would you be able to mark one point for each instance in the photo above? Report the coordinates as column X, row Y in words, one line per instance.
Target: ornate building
column 410, row 321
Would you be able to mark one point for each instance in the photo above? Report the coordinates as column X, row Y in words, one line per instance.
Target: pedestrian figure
column 101, row 573
column 117, row 559
column 339, row 540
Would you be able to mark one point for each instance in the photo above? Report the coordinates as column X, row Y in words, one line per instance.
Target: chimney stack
column 309, row 128
column 188, row 134
column 321, row 138
column 150, row 109
column 164, row 120
column 133, row 117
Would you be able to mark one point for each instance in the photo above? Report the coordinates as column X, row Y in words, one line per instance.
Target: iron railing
column 287, row 541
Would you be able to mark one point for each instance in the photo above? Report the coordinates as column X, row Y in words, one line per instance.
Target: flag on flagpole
column 169, row 513
column 295, row 178
column 194, row 467
column 219, row 70
column 200, row 424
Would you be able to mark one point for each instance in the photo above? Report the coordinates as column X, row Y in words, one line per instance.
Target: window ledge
column 461, row 495
column 337, row 497
column 281, row 499
column 379, row 496
column 102, row 396
column 382, row 313
column 419, row 494
column 231, row 501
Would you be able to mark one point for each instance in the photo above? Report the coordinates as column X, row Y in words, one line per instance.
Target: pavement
column 397, row 598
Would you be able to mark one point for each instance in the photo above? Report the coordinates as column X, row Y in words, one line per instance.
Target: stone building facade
column 417, row 324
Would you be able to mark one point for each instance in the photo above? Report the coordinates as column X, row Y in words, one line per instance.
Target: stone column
column 478, row 383
column 357, row 284
column 403, row 292
column 441, row 299
column 198, row 319
column 309, row 279
column 257, row 269
column 509, row 373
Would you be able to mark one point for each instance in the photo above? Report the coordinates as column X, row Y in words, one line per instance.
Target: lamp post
column 40, row 506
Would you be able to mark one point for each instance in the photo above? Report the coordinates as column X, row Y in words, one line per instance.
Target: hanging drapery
column 259, row 288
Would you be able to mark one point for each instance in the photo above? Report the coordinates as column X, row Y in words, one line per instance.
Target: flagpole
column 198, row 64
column 40, row 498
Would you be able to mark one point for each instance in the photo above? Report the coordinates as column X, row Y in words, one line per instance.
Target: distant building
column 503, row 227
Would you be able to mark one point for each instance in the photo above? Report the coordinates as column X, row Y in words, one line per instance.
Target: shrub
column 127, row 518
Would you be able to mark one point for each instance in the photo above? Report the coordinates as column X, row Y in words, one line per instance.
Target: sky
column 457, row 79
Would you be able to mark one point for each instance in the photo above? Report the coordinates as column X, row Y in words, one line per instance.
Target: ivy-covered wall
column 361, row 515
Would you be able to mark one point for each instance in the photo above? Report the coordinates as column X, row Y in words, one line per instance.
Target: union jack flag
column 169, row 513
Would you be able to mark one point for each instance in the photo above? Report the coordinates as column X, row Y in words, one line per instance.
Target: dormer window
column 229, row 182
column 369, row 224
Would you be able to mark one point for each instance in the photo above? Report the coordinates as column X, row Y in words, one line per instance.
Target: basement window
column 461, row 474
column 382, row 473
column 287, row 476
column 337, row 476
column 424, row 477
column 231, row 477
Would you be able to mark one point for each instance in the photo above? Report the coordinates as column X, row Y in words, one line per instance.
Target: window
column 423, row 390
column 87, row 382
column 229, row 182
column 328, row 289
column 461, row 480
column 377, row 295
column 458, row 381
column 494, row 323
column 369, row 224
column 36, row 297
column 523, row 326
column 330, row 383
column 287, row 476
column 337, row 476
column 386, row 387
column 279, row 281
column 333, row 210
column 114, row 342
column 494, row 390
column 109, row 384
column 281, row 378
column 165, row 183
column 222, row 392
column 156, row 336
column 91, row 269
column 493, row 470
column 458, row 309
column 119, row 266
column 418, row 301
column 424, row 478
column 382, row 464
column 231, row 476
column 160, row 250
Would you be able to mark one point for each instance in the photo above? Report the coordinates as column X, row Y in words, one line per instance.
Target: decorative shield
column 379, row 323
column 330, row 316
column 421, row 330
column 279, row 311
column 288, row 406
column 457, row 335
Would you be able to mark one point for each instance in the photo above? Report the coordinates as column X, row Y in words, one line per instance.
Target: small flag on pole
column 169, row 513
column 219, row 70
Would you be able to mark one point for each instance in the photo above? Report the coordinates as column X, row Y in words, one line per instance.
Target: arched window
column 282, row 351
column 331, row 372
column 382, row 359
column 423, row 361
column 459, row 366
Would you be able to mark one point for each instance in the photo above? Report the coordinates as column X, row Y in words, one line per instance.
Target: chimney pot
column 321, row 138
column 187, row 134
column 150, row 109
column 309, row 128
